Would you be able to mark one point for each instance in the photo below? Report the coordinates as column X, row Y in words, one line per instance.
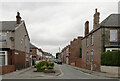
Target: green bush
column 51, row 64
column 41, row 66
column 50, row 67
column 110, row 58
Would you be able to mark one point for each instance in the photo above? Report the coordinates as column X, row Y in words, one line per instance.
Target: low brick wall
column 111, row 69
column 7, row 69
column 78, row 62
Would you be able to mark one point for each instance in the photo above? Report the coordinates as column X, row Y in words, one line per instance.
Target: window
column 91, row 39
column 3, row 58
column 113, row 35
column 87, row 43
column 3, row 37
column 27, row 57
column 87, row 57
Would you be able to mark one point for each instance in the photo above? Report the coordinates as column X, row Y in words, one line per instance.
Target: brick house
column 34, row 53
column 47, row 57
column 104, row 37
column 14, row 42
column 40, row 54
column 74, row 52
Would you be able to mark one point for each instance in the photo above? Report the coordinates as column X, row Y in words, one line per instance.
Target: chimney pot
column 18, row 18
column 96, row 10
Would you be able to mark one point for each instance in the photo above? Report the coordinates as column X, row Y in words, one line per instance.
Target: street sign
column 92, row 53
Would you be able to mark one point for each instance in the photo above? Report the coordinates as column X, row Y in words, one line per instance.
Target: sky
column 52, row 24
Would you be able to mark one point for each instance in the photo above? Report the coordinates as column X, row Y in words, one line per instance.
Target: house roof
column 112, row 20
column 40, row 50
column 32, row 46
column 47, row 54
column 8, row 25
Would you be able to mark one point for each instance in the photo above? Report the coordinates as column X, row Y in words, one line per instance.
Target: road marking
column 61, row 73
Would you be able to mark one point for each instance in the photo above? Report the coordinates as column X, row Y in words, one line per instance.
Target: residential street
column 69, row 73
column 66, row 72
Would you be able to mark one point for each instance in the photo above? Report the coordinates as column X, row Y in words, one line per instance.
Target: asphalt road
column 70, row 73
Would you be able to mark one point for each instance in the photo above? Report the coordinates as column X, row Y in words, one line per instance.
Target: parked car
column 55, row 60
column 59, row 62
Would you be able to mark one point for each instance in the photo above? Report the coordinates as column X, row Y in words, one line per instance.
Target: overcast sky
column 54, row 23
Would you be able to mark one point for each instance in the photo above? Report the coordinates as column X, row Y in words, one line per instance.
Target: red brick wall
column 7, row 69
column 75, row 50
column 78, row 62
column 96, row 47
column 19, row 60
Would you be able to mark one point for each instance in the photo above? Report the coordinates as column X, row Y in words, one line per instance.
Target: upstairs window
column 3, row 37
column 92, row 39
column 87, row 42
column 87, row 57
column 113, row 35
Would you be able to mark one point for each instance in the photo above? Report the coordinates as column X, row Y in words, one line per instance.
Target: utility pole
column 59, row 49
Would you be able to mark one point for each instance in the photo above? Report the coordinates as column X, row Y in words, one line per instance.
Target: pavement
column 28, row 73
column 96, row 73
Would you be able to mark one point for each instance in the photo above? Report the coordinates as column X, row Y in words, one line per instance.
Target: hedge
column 110, row 58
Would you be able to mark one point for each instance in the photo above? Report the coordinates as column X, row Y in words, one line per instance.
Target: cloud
column 54, row 24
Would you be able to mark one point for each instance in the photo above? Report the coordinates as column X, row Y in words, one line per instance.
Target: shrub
column 110, row 58
column 51, row 64
column 41, row 66
column 50, row 67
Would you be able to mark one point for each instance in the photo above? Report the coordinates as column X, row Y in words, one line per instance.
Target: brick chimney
column 18, row 18
column 96, row 19
column 79, row 37
column 86, row 27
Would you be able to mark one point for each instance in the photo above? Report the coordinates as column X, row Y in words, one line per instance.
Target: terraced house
column 105, row 36
column 14, row 45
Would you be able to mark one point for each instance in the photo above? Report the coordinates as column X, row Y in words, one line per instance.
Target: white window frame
column 6, row 57
column 115, row 31
column 27, row 57
column 87, row 57
column 87, row 43
column 3, row 34
column 92, row 39
column 111, row 49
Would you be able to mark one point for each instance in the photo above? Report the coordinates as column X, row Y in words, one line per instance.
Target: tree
column 57, row 55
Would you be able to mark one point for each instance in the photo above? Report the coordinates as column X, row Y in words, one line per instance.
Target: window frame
column 116, row 39
column 3, row 34
column 6, row 57
column 92, row 39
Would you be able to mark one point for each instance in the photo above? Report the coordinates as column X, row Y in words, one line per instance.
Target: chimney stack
column 96, row 19
column 86, row 28
column 18, row 18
